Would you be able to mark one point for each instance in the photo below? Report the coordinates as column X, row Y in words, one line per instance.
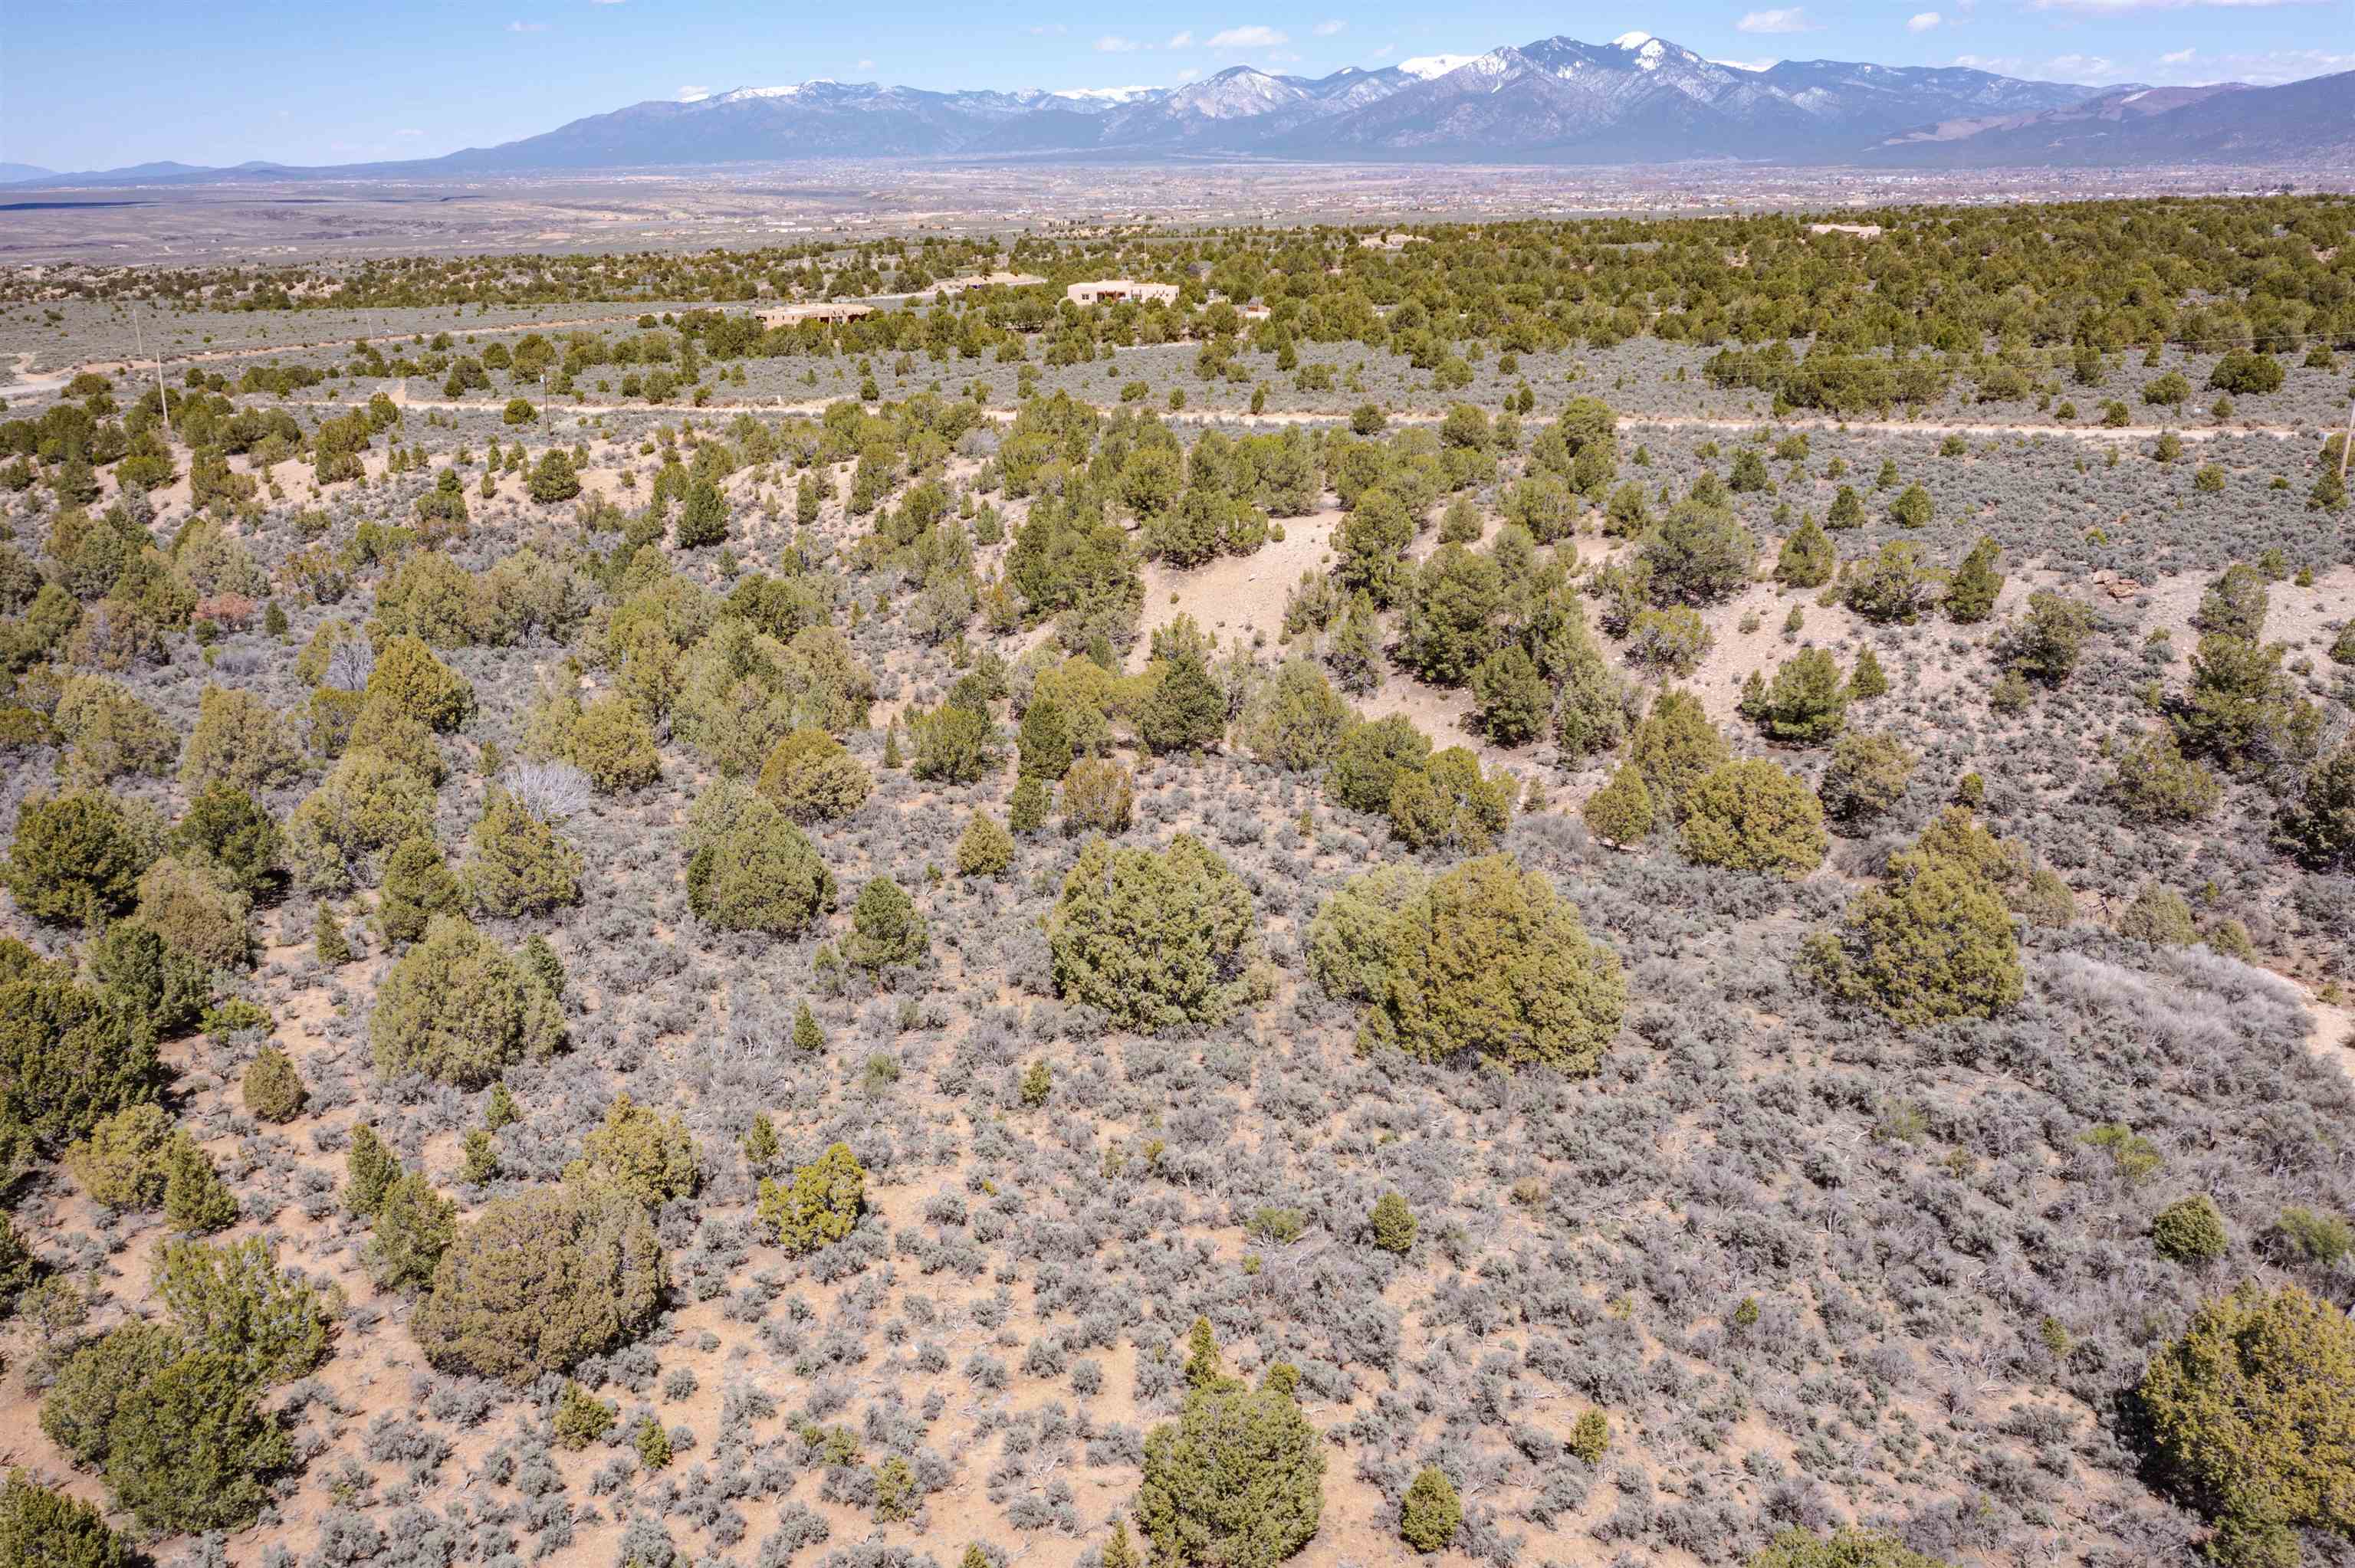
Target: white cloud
column 1385, row 51
column 408, row 132
column 2268, row 68
column 1188, row 74
column 2001, row 65
column 527, row 27
column 866, row 64
column 1047, row 30
column 693, row 94
column 2090, row 69
column 605, row 2
column 1922, row 21
column 1326, row 29
column 1782, row 19
column 1182, row 40
column 1251, row 37
column 1110, row 44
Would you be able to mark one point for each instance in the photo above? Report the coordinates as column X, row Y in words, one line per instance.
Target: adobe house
column 1112, row 291
column 814, row 311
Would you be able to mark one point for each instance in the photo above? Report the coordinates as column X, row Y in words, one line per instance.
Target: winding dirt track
column 1424, row 417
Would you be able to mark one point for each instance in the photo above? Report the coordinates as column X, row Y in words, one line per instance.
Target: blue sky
column 88, row 86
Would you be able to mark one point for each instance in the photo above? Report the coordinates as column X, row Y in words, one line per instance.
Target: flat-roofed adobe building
column 814, row 311
column 1112, row 291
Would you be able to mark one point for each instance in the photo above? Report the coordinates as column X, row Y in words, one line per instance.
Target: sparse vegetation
column 711, row 974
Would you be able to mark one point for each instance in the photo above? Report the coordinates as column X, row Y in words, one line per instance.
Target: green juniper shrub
column 178, row 1432
column 195, row 1200
column 1867, row 776
column 1674, row 747
column 2190, row 1230
column 1488, row 961
column 1038, row 1083
column 750, row 868
column 651, row 1157
column 2159, row 916
column 1098, row 796
column 1620, row 813
column 480, row 1162
column 75, row 859
column 819, row 1206
column 1237, row 1479
column 1807, row 702
column 227, row 827
column 236, row 1299
column 1027, row 811
column 414, row 1226
column 2155, row 782
column 580, row 1418
column 516, row 863
column 1431, row 1512
column 1844, row 1548
column 418, row 885
column 1932, row 941
column 2316, row 824
column 329, row 944
column 2252, row 1411
column 886, row 931
column 458, row 1007
column 122, row 1164
column 370, row 1170
column 1153, row 938
column 19, row 1268
column 1754, row 816
column 1394, row 1224
column 813, row 778
column 159, row 990
column 69, row 1058
column 985, row 849
column 540, row 1280
column 45, row 1529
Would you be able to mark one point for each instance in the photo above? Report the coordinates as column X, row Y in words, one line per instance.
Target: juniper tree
column 2252, row 1411
column 1753, row 816
column 1620, row 813
column 818, row 1207
column 460, row 1008
column 1237, row 1479
column 1972, row 591
column 1488, row 961
column 1431, row 1512
column 540, row 1280
column 1152, row 938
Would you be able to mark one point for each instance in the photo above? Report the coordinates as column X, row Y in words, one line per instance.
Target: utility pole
column 162, row 402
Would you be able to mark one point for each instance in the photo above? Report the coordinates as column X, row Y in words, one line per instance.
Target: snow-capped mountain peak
column 1429, row 68
column 1105, row 94
column 1636, row 98
column 1236, row 93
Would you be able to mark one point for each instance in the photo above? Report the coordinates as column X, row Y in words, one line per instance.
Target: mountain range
column 1635, row 100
